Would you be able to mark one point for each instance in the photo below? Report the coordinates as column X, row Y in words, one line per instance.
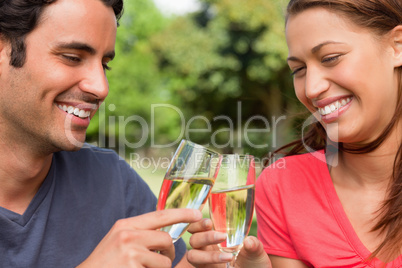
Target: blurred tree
column 229, row 61
column 127, row 119
column 217, row 77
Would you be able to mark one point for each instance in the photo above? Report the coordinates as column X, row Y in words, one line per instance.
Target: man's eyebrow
column 84, row 47
column 315, row 49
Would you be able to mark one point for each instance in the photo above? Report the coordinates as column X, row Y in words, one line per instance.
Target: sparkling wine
column 183, row 193
column 232, row 211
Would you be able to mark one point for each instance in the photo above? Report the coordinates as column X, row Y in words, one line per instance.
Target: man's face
column 48, row 103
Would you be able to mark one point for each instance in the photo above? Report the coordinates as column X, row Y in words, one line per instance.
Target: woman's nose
column 316, row 83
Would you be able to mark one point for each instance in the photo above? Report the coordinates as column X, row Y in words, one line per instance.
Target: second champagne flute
column 231, row 204
column 188, row 182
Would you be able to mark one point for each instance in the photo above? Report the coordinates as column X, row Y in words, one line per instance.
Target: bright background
column 208, row 59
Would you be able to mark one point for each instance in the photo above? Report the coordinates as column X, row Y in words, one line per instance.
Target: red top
column 300, row 216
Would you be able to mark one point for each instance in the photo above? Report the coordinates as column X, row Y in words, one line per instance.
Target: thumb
column 253, row 254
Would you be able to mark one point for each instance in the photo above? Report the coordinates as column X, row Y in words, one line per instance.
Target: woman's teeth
column 333, row 106
column 75, row 111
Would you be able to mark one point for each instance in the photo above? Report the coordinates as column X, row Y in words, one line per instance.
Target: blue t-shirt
column 83, row 195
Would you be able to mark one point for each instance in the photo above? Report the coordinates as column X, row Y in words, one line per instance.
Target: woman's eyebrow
column 315, row 49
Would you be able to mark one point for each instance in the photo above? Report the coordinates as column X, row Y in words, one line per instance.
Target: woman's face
column 344, row 74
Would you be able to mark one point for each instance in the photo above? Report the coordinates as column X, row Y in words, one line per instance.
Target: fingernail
column 225, row 257
column 218, row 236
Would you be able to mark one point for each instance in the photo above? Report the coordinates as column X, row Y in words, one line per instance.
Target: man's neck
column 21, row 175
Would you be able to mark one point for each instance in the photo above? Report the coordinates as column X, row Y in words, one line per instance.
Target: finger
column 195, row 257
column 134, row 247
column 154, row 259
column 253, row 252
column 160, row 240
column 203, row 239
column 158, row 219
column 169, row 252
column 253, row 247
column 200, row 226
column 138, row 245
column 133, row 238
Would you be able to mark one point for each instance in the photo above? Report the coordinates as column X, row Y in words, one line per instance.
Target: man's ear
column 396, row 35
column 4, row 54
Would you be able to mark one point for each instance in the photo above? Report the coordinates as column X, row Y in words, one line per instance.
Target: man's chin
column 74, row 140
column 73, row 143
column 76, row 148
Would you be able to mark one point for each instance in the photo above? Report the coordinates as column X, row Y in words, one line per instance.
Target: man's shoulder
column 95, row 164
column 91, row 158
column 91, row 152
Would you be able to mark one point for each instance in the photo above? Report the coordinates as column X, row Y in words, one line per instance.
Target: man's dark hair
column 19, row 17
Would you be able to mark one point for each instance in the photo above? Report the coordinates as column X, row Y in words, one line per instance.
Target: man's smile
column 81, row 113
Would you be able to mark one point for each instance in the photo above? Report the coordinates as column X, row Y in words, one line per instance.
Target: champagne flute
column 188, row 182
column 231, row 203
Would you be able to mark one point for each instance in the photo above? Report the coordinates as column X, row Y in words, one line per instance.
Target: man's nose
column 95, row 82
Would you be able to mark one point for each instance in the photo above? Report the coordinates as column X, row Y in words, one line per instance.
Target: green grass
column 154, row 179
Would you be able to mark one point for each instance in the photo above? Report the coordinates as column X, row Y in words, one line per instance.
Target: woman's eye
column 296, row 71
column 331, row 59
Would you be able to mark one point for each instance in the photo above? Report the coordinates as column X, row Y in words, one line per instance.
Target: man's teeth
column 334, row 106
column 75, row 111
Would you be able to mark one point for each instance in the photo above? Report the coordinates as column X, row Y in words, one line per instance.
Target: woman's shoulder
column 299, row 169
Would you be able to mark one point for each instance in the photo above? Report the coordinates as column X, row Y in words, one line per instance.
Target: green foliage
column 231, row 52
column 217, row 68
column 134, row 81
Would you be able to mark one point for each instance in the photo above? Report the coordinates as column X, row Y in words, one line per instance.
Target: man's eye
column 72, row 58
column 106, row 67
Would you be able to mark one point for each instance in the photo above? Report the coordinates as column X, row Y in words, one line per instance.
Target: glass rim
column 198, row 146
column 238, row 155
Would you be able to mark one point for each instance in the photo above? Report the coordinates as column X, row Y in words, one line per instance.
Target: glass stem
column 231, row 264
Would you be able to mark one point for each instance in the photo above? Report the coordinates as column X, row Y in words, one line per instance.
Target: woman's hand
column 205, row 252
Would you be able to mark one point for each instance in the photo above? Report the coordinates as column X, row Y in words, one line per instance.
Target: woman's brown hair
column 379, row 16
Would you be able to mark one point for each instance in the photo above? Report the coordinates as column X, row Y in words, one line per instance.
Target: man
column 62, row 206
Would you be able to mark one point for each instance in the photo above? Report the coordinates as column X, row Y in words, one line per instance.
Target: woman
column 340, row 204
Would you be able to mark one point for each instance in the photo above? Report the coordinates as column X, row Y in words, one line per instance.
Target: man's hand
column 136, row 241
column 206, row 254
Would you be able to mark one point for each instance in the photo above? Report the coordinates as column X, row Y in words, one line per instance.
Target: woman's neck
column 373, row 168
